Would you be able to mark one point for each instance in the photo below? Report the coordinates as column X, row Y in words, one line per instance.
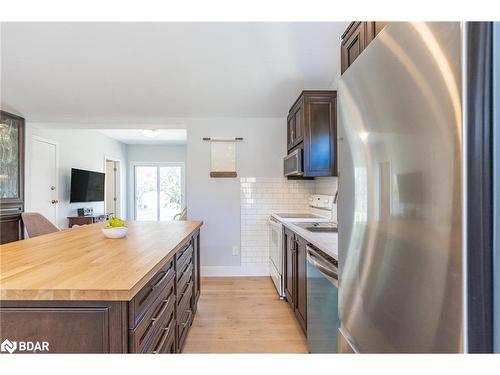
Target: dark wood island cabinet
column 131, row 295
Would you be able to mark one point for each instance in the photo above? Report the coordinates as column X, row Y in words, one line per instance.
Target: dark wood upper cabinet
column 295, row 133
column 353, row 42
column 356, row 38
column 372, row 30
column 320, row 145
column 12, row 183
column 312, row 127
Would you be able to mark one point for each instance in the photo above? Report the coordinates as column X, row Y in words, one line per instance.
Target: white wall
column 85, row 149
column 158, row 153
column 150, row 153
column 216, row 201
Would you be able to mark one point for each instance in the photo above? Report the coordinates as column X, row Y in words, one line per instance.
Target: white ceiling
column 90, row 71
column 136, row 136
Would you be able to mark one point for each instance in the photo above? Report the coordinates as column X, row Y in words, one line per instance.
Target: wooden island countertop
column 80, row 264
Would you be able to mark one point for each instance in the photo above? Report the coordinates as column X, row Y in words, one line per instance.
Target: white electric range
column 320, row 211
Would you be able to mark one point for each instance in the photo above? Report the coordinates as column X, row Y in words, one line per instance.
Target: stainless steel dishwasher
column 322, row 302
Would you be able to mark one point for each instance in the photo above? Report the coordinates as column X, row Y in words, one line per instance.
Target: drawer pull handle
column 162, row 342
column 181, row 253
column 186, row 268
column 186, row 288
column 161, row 280
column 187, row 320
column 155, row 319
column 160, row 313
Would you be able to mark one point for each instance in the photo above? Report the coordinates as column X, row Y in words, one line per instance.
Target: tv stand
column 89, row 219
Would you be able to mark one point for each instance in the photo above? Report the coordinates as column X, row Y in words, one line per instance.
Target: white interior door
column 113, row 187
column 44, row 198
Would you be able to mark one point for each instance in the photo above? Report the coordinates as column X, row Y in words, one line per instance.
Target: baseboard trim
column 227, row 271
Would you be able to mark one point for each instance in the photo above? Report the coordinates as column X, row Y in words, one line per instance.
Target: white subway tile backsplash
column 261, row 196
column 326, row 185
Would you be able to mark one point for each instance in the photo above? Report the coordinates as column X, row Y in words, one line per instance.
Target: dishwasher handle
column 323, row 266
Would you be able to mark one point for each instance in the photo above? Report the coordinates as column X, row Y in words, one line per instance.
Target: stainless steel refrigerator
column 400, row 195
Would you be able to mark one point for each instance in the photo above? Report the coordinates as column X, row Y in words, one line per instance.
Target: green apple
column 115, row 222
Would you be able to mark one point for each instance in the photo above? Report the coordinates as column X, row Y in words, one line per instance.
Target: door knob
column 54, row 201
column 52, row 188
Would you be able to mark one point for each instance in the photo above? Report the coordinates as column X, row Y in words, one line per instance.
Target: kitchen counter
column 326, row 242
column 81, row 264
column 80, row 292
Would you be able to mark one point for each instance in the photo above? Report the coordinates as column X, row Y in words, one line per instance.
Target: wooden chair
column 37, row 224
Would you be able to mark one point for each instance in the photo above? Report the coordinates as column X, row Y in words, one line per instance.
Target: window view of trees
column 158, row 191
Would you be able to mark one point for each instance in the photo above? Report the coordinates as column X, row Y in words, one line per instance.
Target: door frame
column 111, row 158
column 56, row 183
column 157, row 164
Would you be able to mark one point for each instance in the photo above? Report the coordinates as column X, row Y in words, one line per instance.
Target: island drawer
column 165, row 338
column 170, row 347
column 154, row 317
column 183, row 260
column 183, row 296
column 149, row 293
column 184, row 318
column 186, row 277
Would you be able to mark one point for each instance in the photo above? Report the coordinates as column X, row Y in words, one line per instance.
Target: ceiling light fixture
column 150, row 133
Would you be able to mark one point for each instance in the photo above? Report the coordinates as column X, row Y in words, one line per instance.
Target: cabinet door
column 320, row 145
column 11, row 228
column 299, row 126
column 289, row 276
column 290, row 131
column 372, row 30
column 68, row 327
column 352, row 44
column 301, row 295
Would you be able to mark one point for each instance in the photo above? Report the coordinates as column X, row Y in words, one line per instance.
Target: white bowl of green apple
column 115, row 228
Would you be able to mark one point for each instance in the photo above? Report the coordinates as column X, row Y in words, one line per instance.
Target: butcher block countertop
column 81, row 264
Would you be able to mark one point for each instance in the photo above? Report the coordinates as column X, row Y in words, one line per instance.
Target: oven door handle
column 323, row 266
column 274, row 223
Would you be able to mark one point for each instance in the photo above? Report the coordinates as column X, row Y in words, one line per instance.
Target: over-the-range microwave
column 293, row 163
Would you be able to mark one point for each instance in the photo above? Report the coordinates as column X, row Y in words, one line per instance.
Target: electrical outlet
column 236, row 250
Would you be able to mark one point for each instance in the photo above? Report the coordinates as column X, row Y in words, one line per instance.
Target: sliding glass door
column 158, row 191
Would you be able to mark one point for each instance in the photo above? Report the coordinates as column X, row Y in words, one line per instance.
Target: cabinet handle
column 187, row 320
column 186, row 288
column 160, row 313
column 162, row 342
column 54, row 201
column 161, row 280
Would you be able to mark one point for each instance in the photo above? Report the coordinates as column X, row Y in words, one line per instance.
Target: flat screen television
column 86, row 186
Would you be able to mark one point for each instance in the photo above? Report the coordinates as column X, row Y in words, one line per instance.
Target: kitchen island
column 84, row 293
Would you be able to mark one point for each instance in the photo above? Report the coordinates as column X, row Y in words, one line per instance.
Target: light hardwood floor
column 243, row 315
